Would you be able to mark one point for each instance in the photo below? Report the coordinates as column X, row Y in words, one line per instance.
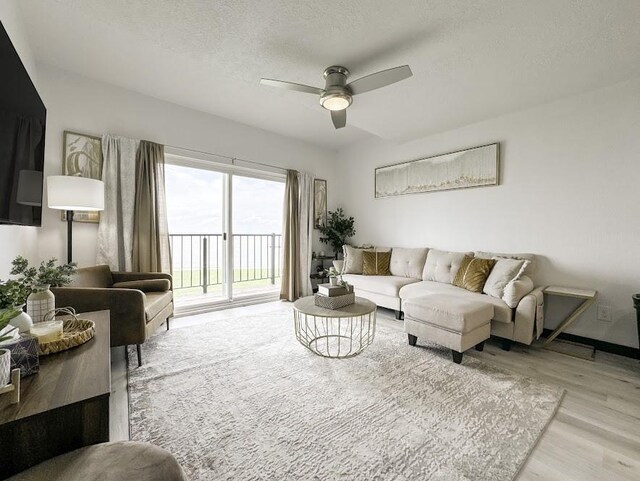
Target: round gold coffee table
column 335, row 333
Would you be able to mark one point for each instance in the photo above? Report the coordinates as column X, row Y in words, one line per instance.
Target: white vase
column 333, row 281
column 5, row 367
column 40, row 301
column 22, row 321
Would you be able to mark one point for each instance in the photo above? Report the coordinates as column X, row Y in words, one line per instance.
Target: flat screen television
column 22, row 128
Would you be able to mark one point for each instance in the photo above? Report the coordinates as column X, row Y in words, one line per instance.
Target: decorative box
column 24, row 355
column 335, row 302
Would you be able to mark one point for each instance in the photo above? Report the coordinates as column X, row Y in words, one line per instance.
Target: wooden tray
column 75, row 332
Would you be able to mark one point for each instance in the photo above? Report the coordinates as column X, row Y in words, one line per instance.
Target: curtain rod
column 232, row 159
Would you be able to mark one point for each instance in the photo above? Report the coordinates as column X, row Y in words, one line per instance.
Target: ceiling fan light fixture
column 335, row 101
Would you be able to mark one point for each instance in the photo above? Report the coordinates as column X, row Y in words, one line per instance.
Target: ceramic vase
column 40, row 301
column 22, row 321
column 333, row 281
column 5, row 367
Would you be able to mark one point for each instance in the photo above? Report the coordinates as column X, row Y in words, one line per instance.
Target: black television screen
column 22, row 126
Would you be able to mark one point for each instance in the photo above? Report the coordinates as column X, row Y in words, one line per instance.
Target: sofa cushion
column 442, row 266
column 145, row 285
column 449, row 312
column 528, row 271
column 502, row 312
column 503, row 272
column 352, row 259
column 473, row 273
column 386, row 285
column 154, row 302
column 408, row 262
column 95, row 276
column 376, row 263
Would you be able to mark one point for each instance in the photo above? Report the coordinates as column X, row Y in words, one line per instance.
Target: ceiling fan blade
column 291, row 86
column 339, row 118
column 379, row 79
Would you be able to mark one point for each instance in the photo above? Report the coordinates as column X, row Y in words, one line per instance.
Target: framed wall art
column 474, row 167
column 82, row 155
column 319, row 202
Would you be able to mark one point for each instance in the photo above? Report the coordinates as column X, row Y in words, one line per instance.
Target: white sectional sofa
column 421, row 271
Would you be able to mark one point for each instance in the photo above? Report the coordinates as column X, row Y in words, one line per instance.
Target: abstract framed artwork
column 474, row 167
column 82, row 155
column 319, row 202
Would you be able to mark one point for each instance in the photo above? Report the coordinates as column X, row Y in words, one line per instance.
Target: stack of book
column 334, row 297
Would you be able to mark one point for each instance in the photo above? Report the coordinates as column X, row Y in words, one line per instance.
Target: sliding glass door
column 225, row 233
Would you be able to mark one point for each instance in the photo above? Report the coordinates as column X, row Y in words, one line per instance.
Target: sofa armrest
column 128, row 319
column 141, row 276
column 529, row 318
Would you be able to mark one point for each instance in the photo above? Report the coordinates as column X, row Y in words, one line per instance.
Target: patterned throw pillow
column 376, row 263
column 473, row 273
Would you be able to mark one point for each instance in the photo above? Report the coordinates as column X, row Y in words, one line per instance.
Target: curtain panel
column 115, row 231
column 297, row 236
column 151, row 251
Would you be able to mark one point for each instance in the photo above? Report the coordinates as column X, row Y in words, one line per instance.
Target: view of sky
column 195, row 197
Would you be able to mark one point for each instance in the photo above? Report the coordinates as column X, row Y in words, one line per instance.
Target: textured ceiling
column 471, row 59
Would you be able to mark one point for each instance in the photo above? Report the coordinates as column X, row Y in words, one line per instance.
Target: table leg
column 586, row 304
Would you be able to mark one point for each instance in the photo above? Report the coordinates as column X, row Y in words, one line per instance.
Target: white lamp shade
column 66, row 192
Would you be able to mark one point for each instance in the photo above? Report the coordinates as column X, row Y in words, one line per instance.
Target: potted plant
column 37, row 281
column 13, row 295
column 6, row 333
column 333, row 276
column 337, row 230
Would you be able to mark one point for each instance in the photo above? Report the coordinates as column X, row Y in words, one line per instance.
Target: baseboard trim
column 604, row 346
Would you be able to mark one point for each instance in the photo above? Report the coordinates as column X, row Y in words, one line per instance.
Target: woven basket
column 335, row 302
column 74, row 333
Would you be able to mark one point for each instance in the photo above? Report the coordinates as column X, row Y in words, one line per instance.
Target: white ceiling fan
column 337, row 94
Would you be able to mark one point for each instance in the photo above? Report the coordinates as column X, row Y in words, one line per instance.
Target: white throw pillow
column 503, row 272
column 352, row 259
column 516, row 290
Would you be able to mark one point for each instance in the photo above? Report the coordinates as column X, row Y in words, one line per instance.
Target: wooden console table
column 63, row 407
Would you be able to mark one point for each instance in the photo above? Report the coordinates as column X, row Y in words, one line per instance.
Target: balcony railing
column 198, row 259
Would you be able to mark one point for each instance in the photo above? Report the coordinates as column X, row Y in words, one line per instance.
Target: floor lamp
column 70, row 193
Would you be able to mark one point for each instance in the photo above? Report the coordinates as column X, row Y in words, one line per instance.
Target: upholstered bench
column 119, row 461
column 451, row 321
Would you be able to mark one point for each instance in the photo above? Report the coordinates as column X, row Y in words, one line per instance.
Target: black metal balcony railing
column 198, row 259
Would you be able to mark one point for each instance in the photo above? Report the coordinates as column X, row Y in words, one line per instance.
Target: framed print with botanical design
column 319, row 202
column 82, row 155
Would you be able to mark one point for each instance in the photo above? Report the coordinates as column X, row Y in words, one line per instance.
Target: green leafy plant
column 48, row 273
column 5, row 317
column 12, row 294
column 337, row 230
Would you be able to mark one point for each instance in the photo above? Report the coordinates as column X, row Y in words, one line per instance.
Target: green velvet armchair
column 139, row 302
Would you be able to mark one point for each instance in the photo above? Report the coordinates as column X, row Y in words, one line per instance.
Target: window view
column 196, row 200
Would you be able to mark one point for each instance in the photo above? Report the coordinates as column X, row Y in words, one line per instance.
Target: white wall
column 83, row 105
column 569, row 192
column 17, row 240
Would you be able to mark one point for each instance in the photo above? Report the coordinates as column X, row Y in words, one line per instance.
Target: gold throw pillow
column 376, row 263
column 473, row 273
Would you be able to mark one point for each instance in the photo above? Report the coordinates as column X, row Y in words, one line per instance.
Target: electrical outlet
column 604, row 312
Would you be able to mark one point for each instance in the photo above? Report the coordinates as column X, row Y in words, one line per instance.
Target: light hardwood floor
column 594, row 436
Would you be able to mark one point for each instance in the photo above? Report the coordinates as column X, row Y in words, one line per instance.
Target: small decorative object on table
column 24, row 354
column 334, row 296
column 74, row 332
column 40, row 301
column 13, row 388
column 7, row 334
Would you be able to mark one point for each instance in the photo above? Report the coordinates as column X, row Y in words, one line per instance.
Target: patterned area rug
column 241, row 399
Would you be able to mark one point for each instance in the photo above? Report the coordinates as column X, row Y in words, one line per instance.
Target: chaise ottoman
column 449, row 320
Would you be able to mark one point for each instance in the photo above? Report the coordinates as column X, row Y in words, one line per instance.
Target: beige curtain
column 151, row 252
column 297, row 236
column 290, row 287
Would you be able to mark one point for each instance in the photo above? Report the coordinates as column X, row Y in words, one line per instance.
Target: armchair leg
column 399, row 315
column 138, row 348
column 167, row 323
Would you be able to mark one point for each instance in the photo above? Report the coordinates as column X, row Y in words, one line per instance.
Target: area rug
column 240, row 399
